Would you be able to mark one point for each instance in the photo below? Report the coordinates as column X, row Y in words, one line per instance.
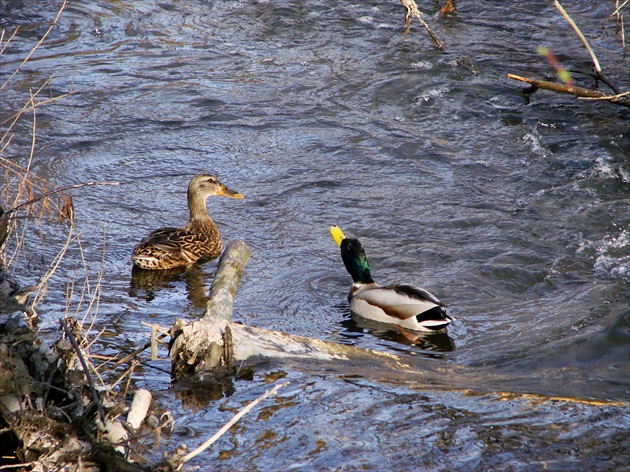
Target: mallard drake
column 403, row 305
column 199, row 239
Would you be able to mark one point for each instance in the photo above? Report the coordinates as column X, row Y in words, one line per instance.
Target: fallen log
column 216, row 346
column 215, row 342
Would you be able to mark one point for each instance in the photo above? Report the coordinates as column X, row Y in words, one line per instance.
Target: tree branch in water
column 619, row 99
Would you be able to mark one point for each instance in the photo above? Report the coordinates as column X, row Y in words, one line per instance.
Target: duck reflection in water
column 356, row 326
column 146, row 283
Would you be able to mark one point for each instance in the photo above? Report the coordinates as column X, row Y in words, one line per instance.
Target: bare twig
column 562, row 11
column 620, row 99
column 616, row 12
column 230, row 423
column 137, row 351
column 17, row 466
column 606, row 97
column 620, row 23
column 154, row 345
column 127, row 374
column 8, row 40
column 26, row 59
column 86, row 370
column 32, row 149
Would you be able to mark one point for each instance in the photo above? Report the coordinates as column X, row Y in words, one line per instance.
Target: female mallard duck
column 199, row 239
column 403, row 305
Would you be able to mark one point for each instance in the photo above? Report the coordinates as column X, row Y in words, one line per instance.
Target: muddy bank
column 48, row 418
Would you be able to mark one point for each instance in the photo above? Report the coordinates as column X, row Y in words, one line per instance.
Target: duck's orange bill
column 226, row 192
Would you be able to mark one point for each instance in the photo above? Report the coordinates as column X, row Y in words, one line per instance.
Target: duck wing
column 417, row 293
column 169, row 240
column 167, row 248
column 400, row 301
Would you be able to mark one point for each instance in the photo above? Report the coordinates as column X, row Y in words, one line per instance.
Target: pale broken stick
column 412, row 10
column 230, row 423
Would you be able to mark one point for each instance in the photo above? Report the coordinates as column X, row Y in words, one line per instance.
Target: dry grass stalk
column 27, row 58
column 618, row 21
column 569, row 20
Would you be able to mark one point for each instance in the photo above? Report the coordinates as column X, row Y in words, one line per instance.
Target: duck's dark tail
column 434, row 319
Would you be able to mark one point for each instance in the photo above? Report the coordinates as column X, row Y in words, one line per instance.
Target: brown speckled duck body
column 198, row 240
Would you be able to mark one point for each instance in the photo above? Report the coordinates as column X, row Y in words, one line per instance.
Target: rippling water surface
column 512, row 210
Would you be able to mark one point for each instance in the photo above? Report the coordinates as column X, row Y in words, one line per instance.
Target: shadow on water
column 206, row 388
column 145, row 284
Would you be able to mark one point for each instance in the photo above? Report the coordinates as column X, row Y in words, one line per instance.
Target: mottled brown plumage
column 198, row 240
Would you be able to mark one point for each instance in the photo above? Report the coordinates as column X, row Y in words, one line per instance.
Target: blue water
column 513, row 210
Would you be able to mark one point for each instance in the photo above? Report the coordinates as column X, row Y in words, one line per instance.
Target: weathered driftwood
column 214, row 342
column 139, row 408
column 199, row 346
